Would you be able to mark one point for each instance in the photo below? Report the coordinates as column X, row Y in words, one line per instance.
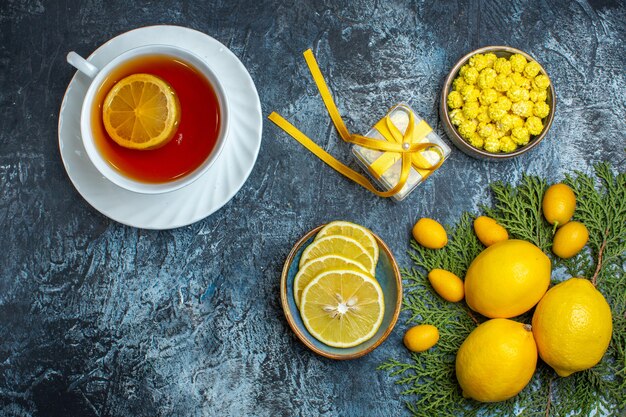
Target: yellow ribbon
column 396, row 144
column 386, row 160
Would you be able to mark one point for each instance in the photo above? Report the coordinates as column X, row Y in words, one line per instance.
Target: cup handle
column 82, row 64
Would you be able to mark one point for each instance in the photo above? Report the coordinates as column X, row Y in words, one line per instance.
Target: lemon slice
column 141, row 111
column 316, row 266
column 355, row 231
column 342, row 246
column 342, row 308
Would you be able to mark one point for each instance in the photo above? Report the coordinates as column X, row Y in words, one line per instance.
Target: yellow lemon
column 355, row 231
column 430, row 234
column 507, row 279
column 496, row 361
column 489, row 231
column 448, row 286
column 141, row 111
column 570, row 239
column 421, row 338
column 558, row 204
column 342, row 246
column 572, row 325
column 342, row 308
column 316, row 266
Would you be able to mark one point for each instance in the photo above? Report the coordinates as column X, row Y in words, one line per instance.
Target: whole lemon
column 448, row 285
column 489, row 231
column 570, row 239
column 430, row 234
column 558, row 204
column 572, row 325
column 496, row 361
column 421, row 338
column 507, row 279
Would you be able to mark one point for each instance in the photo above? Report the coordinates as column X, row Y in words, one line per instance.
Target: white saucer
column 208, row 193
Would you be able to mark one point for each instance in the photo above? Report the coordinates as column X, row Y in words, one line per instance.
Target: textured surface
column 101, row 319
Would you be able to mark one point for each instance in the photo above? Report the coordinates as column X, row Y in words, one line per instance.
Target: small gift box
column 386, row 167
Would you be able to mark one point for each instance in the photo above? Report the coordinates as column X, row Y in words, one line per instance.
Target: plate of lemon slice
column 341, row 290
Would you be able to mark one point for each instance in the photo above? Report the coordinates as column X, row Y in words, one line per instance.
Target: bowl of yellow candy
column 497, row 103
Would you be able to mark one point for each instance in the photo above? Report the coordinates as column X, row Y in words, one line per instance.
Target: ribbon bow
column 405, row 145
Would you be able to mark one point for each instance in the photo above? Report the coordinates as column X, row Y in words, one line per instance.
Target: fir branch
column 602, row 212
column 518, row 209
column 429, row 377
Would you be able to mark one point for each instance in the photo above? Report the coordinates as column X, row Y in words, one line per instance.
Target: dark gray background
column 101, row 319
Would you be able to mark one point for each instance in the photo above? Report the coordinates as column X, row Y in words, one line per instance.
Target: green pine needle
column 429, row 377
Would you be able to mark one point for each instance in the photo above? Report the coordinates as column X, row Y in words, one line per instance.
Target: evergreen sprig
column 429, row 377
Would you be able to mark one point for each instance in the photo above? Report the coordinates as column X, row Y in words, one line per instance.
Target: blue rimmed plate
column 387, row 275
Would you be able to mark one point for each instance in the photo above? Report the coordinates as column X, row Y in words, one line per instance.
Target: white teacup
column 99, row 75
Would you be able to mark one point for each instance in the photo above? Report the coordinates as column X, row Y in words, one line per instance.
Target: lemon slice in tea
column 342, row 308
column 316, row 266
column 355, row 231
column 141, row 111
column 339, row 245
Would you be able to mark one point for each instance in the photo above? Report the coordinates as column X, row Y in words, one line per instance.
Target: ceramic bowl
column 457, row 139
column 389, row 278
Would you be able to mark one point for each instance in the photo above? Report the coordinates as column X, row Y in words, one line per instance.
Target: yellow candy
column 470, row 93
column 483, row 114
column 467, row 128
column 479, row 62
column 502, row 66
column 486, row 129
column 503, row 83
column 488, row 96
column 520, row 135
column 538, row 95
column 470, row 75
column 476, row 140
column 541, row 82
column 516, row 94
column 456, row 117
column 458, row 84
column 518, row 62
column 520, row 80
column 523, row 108
column 492, row 144
column 491, row 59
column 517, row 121
column 470, row 109
column 504, row 102
column 496, row 112
column 531, row 69
column 534, row 125
column 455, row 100
column 499, row 132
column 541, row 109
column 507, row 144
column 506, row 123
column 487, row 78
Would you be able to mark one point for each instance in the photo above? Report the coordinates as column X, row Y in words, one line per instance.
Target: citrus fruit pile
column 141, row 111
column 571, row 325
column 340, row 302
